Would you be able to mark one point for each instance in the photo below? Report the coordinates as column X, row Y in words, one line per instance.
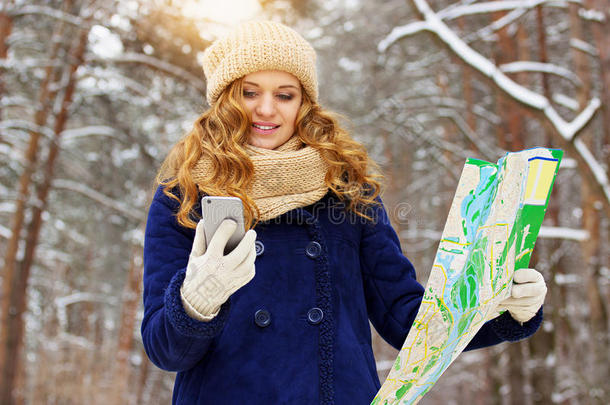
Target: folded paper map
column 491, row 229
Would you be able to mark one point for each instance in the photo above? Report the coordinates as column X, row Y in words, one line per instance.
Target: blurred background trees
column 93, row 94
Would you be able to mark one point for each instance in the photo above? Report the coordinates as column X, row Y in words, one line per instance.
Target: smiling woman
column 226, row 11
column 284, row 317
column 272, row 99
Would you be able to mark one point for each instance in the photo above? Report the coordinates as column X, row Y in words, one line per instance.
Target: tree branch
column 493, row 6
column 49, row 12
column 83, row 189
column 568, row 131
column 157, row 64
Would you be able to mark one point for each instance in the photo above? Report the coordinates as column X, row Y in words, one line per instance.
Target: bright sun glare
column 225, row 12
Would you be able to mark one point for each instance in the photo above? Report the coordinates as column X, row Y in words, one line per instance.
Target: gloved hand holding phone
column 212, row 276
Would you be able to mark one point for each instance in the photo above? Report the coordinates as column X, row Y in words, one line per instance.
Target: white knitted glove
column 212, row 277
column 527, row 295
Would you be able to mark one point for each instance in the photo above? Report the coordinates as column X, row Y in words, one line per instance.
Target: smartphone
column 216, row 209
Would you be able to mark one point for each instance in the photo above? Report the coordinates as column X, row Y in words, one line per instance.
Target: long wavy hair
column 220, row 134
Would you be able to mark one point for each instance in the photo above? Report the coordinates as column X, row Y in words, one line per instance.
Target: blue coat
column 298, row 332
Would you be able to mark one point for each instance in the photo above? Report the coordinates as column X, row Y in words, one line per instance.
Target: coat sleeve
column 393, row 294
column 173, row 341
column 504, row 328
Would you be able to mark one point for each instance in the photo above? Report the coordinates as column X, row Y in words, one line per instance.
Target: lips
column 264, row 128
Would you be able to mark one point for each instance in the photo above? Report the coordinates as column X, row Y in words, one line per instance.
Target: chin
column 265, row 143
column 262, row 143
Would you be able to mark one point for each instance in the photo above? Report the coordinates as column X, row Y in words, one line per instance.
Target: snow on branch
column 414, row 233
column 401, row 32
column 5, row 232
column 592, row 15
column 26, row 126
column 529, row 66
column 568, row 163
column 91, row 130
column 546, row 232
column 566, row 101
column 557, row 232
column 62, row 302
column 583, row 46
column 493, row 6
column 485, row 32
column 466, row 53
column 9, row 101
column 132, row 57
column 114, row 76
column 486, row 67
column 567, row 130
column 598, row 171
column 76, row 340
column 106, row 201
column 49, row 12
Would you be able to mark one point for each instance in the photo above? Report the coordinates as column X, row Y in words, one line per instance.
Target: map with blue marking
column 490, row 231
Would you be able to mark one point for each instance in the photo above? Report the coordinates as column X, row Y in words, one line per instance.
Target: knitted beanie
column 255, row 46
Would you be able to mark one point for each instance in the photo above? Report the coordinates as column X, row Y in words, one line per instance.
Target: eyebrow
column 280, row 87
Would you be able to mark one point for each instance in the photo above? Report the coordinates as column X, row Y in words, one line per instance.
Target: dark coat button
column 315, row 315
column 262, row 318
column 260, row 248
column 313, row 249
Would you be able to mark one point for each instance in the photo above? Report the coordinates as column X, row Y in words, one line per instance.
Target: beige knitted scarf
column 290, row 176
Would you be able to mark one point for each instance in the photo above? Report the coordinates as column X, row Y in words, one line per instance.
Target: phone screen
column 215, row 209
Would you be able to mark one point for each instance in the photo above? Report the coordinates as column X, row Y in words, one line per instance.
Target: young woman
column 284, row 317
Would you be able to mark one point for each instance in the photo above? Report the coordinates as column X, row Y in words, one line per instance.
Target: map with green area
column 491, row 230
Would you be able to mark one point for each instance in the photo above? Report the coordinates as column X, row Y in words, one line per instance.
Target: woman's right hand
column 211, row 276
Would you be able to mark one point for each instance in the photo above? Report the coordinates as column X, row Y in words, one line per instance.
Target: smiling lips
column 264, row 127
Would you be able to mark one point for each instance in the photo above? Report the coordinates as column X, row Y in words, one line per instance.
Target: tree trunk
column 131, row 299
column 468, row 92
column 591, row 219
column 19, row 292
column 523, row 53
column 602, row 42
column 143, row 377
column 542, row 50
column 6, row 26
column 543, row 58
column 511, row 129
column 512, row 125
column 579, row 58
column 45, row 372
column 515, row 374
column 45, row 100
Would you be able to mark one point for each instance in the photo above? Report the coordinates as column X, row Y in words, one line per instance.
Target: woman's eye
column 285, row 97
column 249, row 94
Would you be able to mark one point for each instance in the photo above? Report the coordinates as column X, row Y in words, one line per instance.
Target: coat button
column 315, row 315
column 262, row 318
column 260, row 248
column 313, row 249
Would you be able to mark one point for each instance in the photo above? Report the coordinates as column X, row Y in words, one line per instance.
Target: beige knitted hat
column 259, row 45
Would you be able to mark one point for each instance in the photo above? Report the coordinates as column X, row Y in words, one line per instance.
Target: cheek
column 291, row 114
column 248, row 106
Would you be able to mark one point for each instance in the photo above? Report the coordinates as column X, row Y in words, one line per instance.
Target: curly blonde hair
column 220, row 134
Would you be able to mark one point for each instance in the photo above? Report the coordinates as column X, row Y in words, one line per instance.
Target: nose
column 265, row 106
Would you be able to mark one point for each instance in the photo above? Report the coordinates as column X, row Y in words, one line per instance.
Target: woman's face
column 272, row 98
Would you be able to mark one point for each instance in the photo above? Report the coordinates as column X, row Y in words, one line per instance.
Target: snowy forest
column 94, row 93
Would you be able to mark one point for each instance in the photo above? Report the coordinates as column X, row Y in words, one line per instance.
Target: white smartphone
column 216, row 209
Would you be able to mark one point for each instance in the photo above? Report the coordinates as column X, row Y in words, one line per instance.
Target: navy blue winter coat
column 298, row 332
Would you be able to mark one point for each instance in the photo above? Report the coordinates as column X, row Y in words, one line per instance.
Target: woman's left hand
column 527, row 295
